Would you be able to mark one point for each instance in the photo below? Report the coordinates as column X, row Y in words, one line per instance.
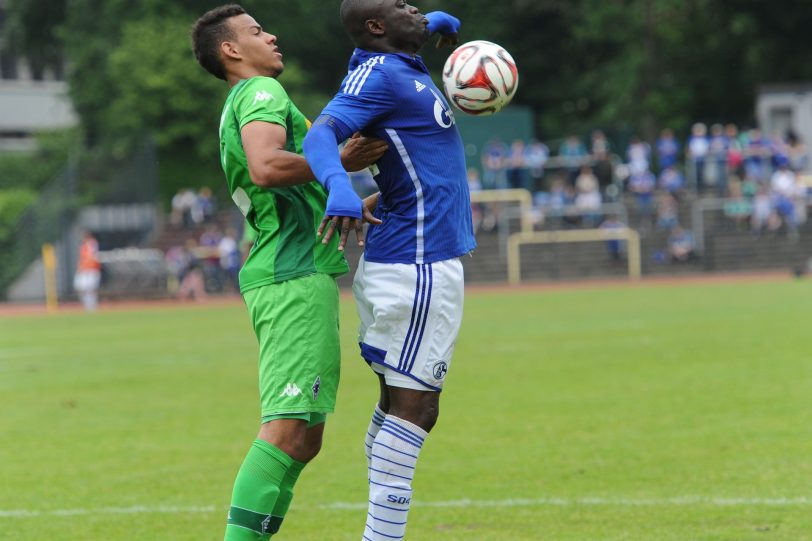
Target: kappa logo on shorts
column 291, row 389
column 316, row 387
column 440, row 370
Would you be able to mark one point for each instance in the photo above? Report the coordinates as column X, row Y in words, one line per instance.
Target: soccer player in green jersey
column 288, row 279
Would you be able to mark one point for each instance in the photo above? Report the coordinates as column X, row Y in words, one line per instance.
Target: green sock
column 256, row 491
column 285, row 495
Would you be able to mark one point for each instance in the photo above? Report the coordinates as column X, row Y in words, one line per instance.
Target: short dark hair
column 353, row 15
column 208, row 32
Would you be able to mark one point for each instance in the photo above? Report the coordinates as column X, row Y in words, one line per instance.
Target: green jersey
column 285, row 219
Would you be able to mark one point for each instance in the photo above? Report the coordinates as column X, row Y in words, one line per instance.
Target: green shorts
column 296, row 323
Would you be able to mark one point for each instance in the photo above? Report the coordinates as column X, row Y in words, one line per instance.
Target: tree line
column 622, row 65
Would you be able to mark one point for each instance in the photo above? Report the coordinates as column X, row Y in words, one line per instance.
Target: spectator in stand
column 616, row 248
column 88, row 272
column 176, row 262
column 516, row 174
column 681, row 245
column 756, row 156
column 738, row 208
column 536, row 155
column 186, row 209
column 671, row 181
column 601, row 158
column 599, row 145
column 715, row 174
column 558, row 202
column 477, row 209
column 494, row 155
column 573, row 154
column 667, row 149
column 230, row 259
column 207, row 204
column 642, row 185
column 192, row 283
column 735, row 152
column 764, row 217
column 784, row 192
column 559, row 196
column 696, row 152
column 638, row 155
column 667, row 212
column 797, row 153
column 208, row 243
column 588, row 197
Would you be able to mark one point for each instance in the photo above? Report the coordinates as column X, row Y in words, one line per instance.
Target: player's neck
column 235, row 76
column 378, row 46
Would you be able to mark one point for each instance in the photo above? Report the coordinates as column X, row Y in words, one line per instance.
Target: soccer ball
column 480, row 77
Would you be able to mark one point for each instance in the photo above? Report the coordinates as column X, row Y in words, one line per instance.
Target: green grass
column 650, row 413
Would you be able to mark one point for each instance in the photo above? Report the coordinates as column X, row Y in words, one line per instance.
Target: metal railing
column 517, row 240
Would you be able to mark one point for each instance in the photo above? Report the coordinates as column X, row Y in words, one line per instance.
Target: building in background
column 783, row 108
column 30, row 100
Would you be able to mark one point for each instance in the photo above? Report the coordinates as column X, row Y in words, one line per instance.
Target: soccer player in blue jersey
column 409, row 283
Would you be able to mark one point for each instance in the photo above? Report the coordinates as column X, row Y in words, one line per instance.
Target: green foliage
column 14, row 254
column 153, row 72
column 12, row 205
column 32, row 170
column 633, row 65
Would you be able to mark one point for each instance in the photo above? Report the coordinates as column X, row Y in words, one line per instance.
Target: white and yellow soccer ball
column 480, row 77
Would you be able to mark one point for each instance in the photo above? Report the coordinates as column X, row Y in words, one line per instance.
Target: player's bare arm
column 271, row 166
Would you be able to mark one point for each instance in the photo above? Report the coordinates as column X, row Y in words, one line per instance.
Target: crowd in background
column 763, row 180
column 208, row 262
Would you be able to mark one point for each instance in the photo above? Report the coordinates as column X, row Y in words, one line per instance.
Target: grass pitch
column 636, row 414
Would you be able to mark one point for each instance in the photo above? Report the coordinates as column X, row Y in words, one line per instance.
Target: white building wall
column 779, row 108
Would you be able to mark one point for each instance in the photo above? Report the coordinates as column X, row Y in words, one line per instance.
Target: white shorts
column 410, row 317
column 86, row 281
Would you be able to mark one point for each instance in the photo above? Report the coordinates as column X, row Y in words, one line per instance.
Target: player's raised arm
column 446, row 25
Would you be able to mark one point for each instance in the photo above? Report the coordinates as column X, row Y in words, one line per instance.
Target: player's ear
column 374, row 27
column 229, row 49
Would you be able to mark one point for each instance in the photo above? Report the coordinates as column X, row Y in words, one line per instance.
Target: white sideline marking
column 133, row 510
column 619, row 502
column 513, row 502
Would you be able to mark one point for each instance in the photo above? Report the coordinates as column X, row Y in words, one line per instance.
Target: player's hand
column 346, row 223
column 446, row 25
column 370, row 204
column 360, row 152
column 451, row 41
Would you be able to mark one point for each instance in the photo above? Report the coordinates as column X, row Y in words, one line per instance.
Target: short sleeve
column 264, row 99
column 365, row 96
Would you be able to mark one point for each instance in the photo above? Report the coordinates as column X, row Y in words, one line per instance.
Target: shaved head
column 355, row 13
column 392, row 26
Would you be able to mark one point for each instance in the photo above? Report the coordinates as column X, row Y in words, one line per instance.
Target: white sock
column 374, row 426
column 394, row 457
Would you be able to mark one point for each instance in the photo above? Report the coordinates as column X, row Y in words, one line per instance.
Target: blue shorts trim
column 371, row 354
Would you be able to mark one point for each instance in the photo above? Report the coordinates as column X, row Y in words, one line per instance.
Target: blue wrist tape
column 442, row 22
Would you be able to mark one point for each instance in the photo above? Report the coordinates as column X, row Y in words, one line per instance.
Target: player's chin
column 424, row 37
column 278, row 68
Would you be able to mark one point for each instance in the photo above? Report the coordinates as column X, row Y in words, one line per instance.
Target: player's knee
column 429, row 417
column 422, row 413
column 310, row 449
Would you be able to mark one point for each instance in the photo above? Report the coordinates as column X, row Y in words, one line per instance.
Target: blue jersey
column 424, row 205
